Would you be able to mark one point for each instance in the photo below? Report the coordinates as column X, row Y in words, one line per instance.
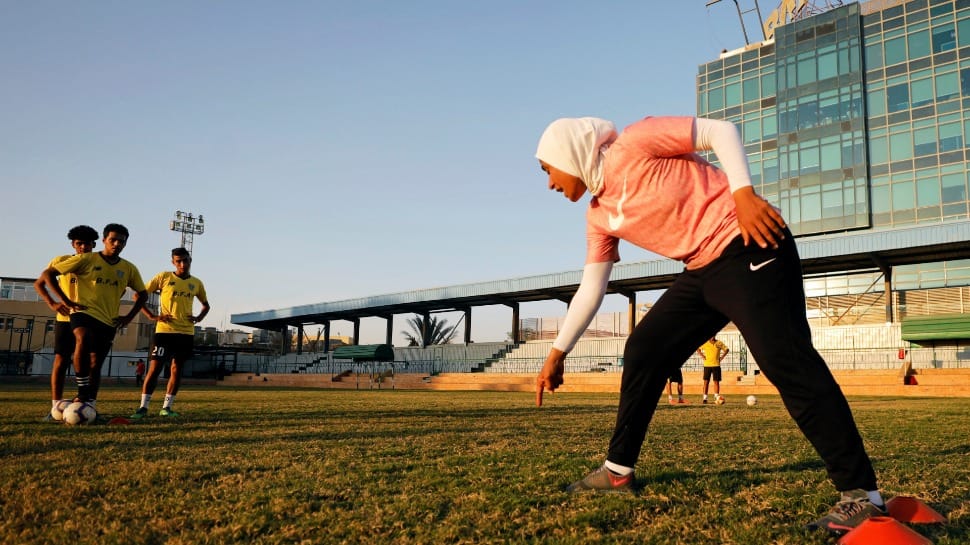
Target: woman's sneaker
column 603, row 480
column 852, row 510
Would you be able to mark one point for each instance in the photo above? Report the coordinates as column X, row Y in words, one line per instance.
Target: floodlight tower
column 741, row 14
column 189, row 225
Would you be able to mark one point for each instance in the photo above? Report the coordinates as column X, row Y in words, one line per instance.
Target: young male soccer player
column 652, row 189
column 174, row 330
column 83, row 239
column 713, row 351
column 102, row 279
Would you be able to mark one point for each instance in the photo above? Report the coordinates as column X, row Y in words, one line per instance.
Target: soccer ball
column 719, row 400
column 752, row 401
column 79, row 413
column 57, row 411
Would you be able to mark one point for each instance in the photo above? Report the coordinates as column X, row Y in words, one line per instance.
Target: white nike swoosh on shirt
column 617, row 221
column 754, row 267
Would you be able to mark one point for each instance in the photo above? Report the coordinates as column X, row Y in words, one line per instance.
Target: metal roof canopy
column 843, row 253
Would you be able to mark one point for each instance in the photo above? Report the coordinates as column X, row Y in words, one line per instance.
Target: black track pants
column 761, row 291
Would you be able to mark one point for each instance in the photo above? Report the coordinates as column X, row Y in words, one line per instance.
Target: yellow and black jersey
column 67, row 282
column 177, row 297
column 100, row 285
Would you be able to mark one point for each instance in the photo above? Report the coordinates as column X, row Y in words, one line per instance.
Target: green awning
column 936, row 328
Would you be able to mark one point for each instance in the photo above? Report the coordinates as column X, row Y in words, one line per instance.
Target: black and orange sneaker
column 603, row 480
column 852, row 510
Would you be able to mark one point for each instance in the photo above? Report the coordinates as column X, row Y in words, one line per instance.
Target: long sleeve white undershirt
column 584, row 304
column 723, row 138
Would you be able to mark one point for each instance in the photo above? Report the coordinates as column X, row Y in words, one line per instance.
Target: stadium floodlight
column 189, row 225
column 744, row 30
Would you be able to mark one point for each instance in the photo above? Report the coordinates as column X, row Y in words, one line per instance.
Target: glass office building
column 858, row 118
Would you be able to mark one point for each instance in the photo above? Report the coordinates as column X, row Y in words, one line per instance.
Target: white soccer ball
column 79, row 413
column 57, row 411
column 752, row 401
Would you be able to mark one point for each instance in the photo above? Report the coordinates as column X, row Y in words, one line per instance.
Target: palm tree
column 432, row 330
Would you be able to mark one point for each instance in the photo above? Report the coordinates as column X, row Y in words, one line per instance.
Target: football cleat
column 852, row 510
column 166, row 411
column 603, row 480
column 142, row 412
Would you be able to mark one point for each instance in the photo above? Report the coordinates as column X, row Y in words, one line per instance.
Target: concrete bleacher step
column 929, row 382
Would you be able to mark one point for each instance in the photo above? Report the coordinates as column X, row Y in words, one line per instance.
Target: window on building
column 944, row 38
column 947, row 86
column 874, row 56
column 768, row 86
column 878, row 150
column 924, row 141
column 751, row 131
column 895, row 51
column 732, row 95
column 828, row 108
column 919, row 44
column 903, row 196
column 901, row 146
column 715, row 99
column 927, row 192
column 921, row 92
column 877, row 103
column 750, row 90
column 897, row 97
column 828, row 63
column 951, row 137
column 954, row 187
column 808, row 115
column 963, row 32
column 965, row 81
column 831, row 156
column 808, row 159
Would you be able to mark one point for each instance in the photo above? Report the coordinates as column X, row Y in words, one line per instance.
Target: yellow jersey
column 712, row 352
column 177, row 296
column 68, row 284
column 101, row 285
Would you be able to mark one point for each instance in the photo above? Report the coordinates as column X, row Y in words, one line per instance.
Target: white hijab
column 576, row 146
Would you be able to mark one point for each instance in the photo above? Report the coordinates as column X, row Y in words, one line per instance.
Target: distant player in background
column 102, row 279
column 83, row 239
column 713, row 351
column 174, row 330
column 650, row 188
column 140, row 372
column 676, row 376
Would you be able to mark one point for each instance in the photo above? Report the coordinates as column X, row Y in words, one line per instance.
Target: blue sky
column 336, row 149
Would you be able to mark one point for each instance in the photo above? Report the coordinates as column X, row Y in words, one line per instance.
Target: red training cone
column 910, row 509
column 118, row 420
column 879, row 530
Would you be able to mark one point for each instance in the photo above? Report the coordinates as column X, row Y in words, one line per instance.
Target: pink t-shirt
column 661, row 196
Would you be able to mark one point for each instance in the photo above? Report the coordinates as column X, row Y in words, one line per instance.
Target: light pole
column 188, row 225
column 741, row 17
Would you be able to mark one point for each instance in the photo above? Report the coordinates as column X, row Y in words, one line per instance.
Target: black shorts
column 100, row 336
column 712, row 372
column 172, row 346
column 64, row 339
column 676, row 376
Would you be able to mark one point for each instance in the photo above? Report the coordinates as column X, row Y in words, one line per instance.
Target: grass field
column 327, row 466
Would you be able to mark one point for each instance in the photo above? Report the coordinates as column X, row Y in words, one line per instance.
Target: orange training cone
column 910, row 509
column 879, row 530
